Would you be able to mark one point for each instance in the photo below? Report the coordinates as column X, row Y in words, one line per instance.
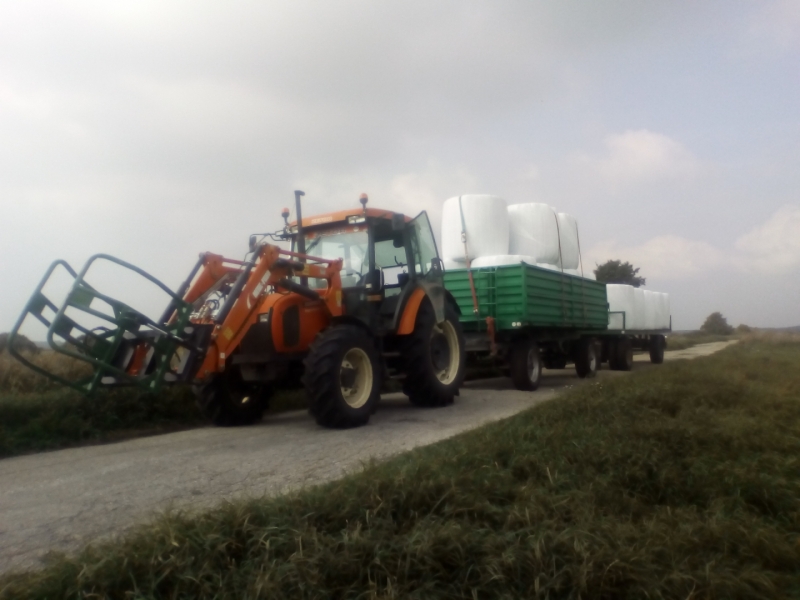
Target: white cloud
column 663, row 257
column 770, row 248
column 773, row 247
column 777, row 24
column 642, row 157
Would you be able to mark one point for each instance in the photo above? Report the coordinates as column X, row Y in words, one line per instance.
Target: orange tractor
column 359, row 298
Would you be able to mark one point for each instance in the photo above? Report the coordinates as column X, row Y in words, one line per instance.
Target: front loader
column 358, row 298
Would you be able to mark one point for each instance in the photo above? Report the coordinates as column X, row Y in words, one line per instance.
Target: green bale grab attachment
column 169, row 344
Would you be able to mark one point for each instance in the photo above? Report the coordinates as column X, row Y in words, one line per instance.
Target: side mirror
column 253, row 243
column 398, row 222
column 374, row 281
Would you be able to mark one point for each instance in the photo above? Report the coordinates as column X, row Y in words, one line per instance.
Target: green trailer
column 524, row 317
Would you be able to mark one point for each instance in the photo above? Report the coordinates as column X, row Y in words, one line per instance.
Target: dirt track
column 60, row 500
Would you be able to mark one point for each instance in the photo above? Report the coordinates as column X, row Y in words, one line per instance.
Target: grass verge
column 676, row 482
column 681, row 341
column 38, row 414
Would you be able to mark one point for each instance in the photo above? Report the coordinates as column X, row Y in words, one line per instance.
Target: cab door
column 425, row 263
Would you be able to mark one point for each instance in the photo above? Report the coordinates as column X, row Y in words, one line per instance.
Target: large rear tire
column 434, row 358
column 525, row 365
column 586, row 358
column 657, row 344
column 229, row 401
column 342, row 377
column 621, row 358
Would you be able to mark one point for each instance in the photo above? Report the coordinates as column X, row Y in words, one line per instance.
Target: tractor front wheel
column 342, row 377
column 229, row 401
column 435, row 358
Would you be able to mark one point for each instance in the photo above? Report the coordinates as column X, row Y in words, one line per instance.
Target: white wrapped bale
column 662, row 321
column 639, row 310
column 652, row 307
column 568, row 233
column 486, row 221
column 621, row 299
column 533, row 231
column 548, row 266
column 449, row 264
column 501, row 260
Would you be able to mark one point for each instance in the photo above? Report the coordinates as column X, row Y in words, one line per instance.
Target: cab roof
column 342, row 215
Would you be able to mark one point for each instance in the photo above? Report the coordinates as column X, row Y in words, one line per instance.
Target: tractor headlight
column 356, row 219
column 264, row 317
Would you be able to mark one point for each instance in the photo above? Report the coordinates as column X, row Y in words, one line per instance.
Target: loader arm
column 269, row 270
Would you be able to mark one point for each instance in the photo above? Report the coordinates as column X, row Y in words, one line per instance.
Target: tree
column 717, row 324
column 616, row 271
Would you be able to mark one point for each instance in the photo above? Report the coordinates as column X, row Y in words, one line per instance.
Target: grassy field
column 675, row 482
column 38, row 414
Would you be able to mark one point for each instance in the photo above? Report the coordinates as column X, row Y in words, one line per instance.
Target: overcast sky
column 156, row 130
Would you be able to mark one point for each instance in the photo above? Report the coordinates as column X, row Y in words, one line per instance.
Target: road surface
column 61, row 500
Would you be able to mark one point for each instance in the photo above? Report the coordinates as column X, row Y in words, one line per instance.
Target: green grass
column 681, row 481
column 39, row 414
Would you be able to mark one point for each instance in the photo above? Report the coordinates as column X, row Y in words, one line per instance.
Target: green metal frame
column 100, row 349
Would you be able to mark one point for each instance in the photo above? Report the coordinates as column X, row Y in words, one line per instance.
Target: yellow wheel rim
column 356, row 394
column 447, row 375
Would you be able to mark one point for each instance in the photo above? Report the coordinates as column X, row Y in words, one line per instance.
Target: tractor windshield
column 350, row 244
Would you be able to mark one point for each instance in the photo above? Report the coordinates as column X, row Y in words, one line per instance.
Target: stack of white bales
column 644, row 310
column 531, row 233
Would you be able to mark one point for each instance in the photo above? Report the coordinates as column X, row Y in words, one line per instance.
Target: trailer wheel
column 435, row 358
column 229, row 401
column 525, row 365
column 342, row 377
column 657, row 349
column 586, row 358
column 621, row 357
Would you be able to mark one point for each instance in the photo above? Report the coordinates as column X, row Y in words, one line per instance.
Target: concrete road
column 61, row 500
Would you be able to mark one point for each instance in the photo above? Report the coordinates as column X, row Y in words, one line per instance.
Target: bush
column 715, row 323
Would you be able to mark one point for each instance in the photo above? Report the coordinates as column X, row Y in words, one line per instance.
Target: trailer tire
column 434, row 358
column 621, row 357
column 586, row 358
column 525, row 365
column 657, row 349
column 342, row 377
column 229, row 401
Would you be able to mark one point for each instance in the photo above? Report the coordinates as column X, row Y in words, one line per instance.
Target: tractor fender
column 451, row 301
column 410, row 310
column 409, row 314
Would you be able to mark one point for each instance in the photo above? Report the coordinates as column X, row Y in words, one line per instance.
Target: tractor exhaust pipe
column 301, row 241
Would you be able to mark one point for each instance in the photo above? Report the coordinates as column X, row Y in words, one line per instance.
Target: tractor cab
column 385, row 256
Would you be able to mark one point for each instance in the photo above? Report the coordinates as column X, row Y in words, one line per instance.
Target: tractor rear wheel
column 586, row 358
column 525, row 364
column 435, row 358
column 342, row 377
column 229, row 401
